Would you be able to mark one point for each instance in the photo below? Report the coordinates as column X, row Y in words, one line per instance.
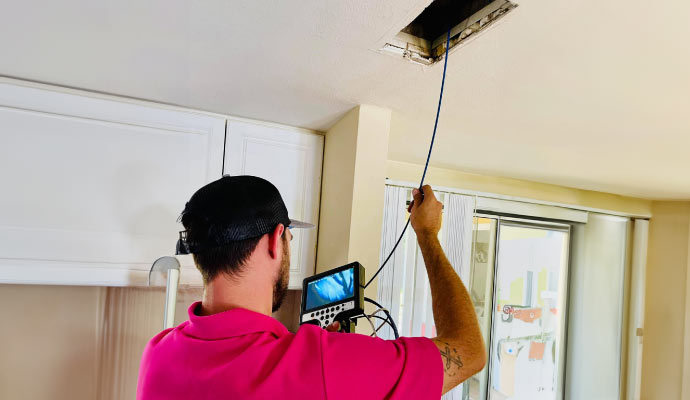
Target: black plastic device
column 335, row 295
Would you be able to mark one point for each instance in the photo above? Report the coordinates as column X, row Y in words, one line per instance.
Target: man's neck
column 224, row 293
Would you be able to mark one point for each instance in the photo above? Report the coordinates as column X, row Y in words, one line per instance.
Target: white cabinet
column 92, row 188
column 291, row 159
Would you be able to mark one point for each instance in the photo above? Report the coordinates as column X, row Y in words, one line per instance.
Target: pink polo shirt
column 241, row 354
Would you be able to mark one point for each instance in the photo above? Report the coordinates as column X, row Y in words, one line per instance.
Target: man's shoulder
column 164, row 335
column 306, row 333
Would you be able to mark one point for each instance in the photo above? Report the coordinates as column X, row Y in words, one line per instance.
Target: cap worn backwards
column 230, row 209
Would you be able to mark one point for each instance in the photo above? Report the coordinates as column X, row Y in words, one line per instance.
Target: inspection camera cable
column 426, row 165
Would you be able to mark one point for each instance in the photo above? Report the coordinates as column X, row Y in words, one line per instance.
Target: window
column 516, row 273
column 522, row 263
column 528, row 324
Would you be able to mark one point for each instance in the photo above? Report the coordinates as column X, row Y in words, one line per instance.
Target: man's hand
column 425, row 212
column 334, row 327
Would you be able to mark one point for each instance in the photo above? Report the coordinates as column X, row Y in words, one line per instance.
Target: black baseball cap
column 233, row 208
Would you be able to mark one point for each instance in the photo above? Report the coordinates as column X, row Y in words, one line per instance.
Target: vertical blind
column 403, row 285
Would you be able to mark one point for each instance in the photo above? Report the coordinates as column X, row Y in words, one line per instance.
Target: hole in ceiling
column 424, row 40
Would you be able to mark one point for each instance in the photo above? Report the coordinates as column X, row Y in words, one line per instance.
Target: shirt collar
column 231, row 323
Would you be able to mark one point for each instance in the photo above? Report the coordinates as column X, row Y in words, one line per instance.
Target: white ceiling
column 589, row 94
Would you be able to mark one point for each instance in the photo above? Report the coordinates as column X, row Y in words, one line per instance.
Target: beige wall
column 664, row 332
column 353, row 190
column 336, row 192
column 131, row 316
column 403, row 171
column 49, row 342
column 85, row 343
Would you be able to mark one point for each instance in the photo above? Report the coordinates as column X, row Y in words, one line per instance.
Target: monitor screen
column 330, row 289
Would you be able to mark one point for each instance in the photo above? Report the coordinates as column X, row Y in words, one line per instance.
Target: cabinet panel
column 92, row 188
column 292, row 161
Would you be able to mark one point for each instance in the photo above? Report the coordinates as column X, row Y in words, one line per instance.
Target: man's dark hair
column 225, row 220
column 229, row 258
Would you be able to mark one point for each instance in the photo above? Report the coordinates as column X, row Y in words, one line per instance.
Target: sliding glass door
column 518, row 284
column 527, row 335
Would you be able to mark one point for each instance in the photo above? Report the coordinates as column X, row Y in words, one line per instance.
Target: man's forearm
column 459, row 339
column 454, row 313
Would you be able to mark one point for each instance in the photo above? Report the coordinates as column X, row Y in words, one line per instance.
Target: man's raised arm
column 459, row 339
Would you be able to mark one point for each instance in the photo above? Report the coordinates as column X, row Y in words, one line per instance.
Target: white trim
column 407, row 184
column 89, row 274
column 636, row 313
column 532, row 210
column 147, row 103
column 685, row 382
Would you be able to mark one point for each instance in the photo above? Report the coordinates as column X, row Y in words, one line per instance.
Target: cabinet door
column 291, row 159
column 92, row 187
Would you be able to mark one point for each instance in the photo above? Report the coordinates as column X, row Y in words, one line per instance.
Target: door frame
column 541, row 223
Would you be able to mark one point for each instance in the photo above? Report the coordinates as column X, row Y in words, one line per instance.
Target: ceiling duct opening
column 424, row 39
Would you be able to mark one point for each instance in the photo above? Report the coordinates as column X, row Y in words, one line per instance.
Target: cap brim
column 294, row 224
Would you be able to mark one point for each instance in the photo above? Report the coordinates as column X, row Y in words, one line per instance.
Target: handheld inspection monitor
column 335, row 295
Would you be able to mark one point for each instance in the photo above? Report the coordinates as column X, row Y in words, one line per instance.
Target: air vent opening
column 424, row 40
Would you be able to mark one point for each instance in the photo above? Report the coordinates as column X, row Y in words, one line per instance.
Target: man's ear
column 274, row 241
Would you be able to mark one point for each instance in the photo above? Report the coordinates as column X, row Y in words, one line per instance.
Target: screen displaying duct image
column 330, row 289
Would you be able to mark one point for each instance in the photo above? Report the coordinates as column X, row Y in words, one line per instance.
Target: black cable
column 225, row 146
column 371, row 316
column 402, row 234
column 385, row 321
column 438, row 111
column 426, row 165
column 388, row 316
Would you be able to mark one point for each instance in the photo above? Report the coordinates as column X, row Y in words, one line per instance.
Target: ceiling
column 588, row 94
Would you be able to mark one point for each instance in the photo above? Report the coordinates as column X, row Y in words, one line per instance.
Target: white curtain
column 596, row 307
column 403, row 286
column 391, row 281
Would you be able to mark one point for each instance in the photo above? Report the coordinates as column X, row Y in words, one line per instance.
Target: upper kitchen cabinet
column 92, row 186
column 291, row 159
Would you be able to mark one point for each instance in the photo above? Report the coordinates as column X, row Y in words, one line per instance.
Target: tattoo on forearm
column 450, row 357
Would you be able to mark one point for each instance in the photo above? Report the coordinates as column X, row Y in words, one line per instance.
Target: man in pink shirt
column 231, row 348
